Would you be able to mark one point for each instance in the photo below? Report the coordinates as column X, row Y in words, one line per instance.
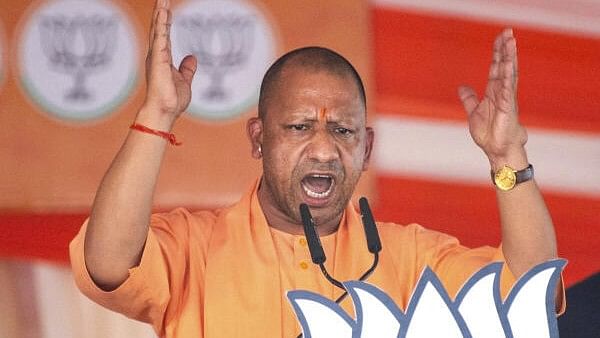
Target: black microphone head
column 373, row 241
column 312, row 238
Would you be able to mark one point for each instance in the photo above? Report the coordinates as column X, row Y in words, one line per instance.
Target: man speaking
column 225, row 273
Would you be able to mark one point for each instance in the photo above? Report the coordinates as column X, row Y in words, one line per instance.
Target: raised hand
column 493, row 120
column 168, row 88
column 120, row 218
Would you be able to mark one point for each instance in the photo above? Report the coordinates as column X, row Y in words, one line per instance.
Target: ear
column 254, row 129
column 370, row 137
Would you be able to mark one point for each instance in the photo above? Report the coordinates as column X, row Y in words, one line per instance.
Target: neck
column 279, row 220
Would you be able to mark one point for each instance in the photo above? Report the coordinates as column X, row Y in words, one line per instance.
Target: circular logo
column 78, row 59
column 234, row 45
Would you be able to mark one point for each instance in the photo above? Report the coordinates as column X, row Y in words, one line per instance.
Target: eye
column 344, row 131
column 298, row 127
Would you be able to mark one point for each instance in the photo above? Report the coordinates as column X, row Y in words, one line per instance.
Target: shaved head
column 311, row 59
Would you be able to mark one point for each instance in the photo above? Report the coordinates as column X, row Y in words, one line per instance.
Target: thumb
column 469, row 98
column 187, row 68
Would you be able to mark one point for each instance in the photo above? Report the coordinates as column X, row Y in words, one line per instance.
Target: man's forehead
column 293, row 71
column 308, row 93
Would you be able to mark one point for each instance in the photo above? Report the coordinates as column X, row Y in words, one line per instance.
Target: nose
column 322, row 147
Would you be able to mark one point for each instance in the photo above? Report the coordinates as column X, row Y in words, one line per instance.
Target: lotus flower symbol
column 477, row 311
column 78, row 46
column 221, row 44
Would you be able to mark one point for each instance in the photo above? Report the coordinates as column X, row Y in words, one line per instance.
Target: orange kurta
column 225, row 273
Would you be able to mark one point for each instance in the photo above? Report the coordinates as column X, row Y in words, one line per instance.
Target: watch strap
column 524, row 175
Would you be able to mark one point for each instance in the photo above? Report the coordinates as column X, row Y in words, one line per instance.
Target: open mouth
column 318, row 186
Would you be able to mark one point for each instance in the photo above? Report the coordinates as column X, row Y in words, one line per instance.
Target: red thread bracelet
column 167, row 136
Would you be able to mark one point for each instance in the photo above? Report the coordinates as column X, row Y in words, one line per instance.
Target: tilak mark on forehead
column 321, row 116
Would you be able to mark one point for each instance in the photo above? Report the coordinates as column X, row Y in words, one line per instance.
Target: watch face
column 505, row 178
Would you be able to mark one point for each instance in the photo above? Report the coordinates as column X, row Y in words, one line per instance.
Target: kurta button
column 303, row 265
column 302, row 241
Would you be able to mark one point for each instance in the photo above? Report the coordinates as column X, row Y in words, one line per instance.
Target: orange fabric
column 299, row 273
column 225, row 273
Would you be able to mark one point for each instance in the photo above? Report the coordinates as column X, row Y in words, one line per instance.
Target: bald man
column 224, row 273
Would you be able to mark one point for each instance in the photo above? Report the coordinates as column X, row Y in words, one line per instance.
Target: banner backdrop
column 70, row 84
column 73, row 80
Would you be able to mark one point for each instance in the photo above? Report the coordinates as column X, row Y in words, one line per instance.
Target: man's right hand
column 168, row 88
column 119, row 222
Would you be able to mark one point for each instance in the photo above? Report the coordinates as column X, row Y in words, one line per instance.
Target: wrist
column 155, row 119
column 515, row 158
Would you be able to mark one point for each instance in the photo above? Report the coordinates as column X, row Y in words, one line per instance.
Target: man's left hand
column 493, row 121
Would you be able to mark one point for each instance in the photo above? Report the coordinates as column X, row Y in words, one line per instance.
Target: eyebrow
column 322, row 114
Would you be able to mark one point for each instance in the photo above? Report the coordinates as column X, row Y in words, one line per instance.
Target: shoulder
column 183, row 224
column 183, row 216
column 411, row 229
column 413, row 233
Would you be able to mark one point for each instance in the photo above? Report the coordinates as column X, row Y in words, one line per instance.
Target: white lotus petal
column 480, row 305
column 429, row 313
column 319, row 316
column 376, row 313
column 531, row 302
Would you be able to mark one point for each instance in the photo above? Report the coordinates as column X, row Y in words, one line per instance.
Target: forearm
column 528, row 235
column 527, row 231
column 120, row 215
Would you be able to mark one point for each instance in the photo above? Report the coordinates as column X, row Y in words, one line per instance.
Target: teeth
column 317, row 194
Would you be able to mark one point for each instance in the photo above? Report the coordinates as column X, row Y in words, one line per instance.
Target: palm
column 493, row 120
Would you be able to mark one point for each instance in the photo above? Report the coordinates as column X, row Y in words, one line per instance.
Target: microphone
column 373, row 242
column 314, row 242
column 316, row 249
column 372, row 235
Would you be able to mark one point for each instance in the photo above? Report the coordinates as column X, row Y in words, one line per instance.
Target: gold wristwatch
column 507, row 178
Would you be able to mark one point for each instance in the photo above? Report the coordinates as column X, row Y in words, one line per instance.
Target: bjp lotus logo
column 477, row 311
column 77, row 60
column 234, row 44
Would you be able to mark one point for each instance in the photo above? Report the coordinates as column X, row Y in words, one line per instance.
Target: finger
column 507, row 103
column 511, row 47
column 509, row 90
column 469, row 99
column 187, row 68
column 508, row 74
column 158, row 4
column 497, row 52
column 161, row 50
column 494, row 72
column 511, row 52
